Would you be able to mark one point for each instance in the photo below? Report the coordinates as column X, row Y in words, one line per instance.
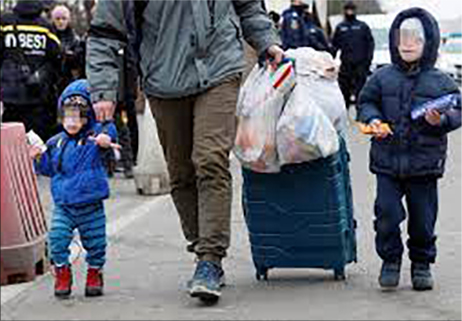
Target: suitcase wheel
column 262, row 273
column 339, row 274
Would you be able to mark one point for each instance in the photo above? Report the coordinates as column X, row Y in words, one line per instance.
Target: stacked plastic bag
column 317, row 74
column 260, row 104
column 281, row 124
column 315, row 113
column 304, row 132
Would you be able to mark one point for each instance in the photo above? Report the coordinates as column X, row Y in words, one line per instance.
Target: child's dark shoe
column 421, row 276
column 389, row 275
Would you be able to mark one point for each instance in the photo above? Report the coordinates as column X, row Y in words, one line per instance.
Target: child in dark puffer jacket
column 408, row 157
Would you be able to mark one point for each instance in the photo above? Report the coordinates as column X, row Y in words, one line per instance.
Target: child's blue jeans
column 90, row 221
column 421, row 194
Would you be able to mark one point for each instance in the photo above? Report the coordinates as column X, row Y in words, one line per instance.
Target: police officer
column 354, row 39
column 299, row 30
column 30, row 63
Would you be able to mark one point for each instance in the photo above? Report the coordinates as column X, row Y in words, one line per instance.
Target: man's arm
column 257, row 27
column 107, row 35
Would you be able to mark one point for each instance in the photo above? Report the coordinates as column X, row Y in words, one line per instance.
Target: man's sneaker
column 421, row 276
column 389, row 275
column 63, row 281
column 207, row 281
column 95, row 283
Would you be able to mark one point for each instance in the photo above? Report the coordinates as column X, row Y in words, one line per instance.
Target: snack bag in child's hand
column 34, row 140
column 368, row 129
column 441, row 104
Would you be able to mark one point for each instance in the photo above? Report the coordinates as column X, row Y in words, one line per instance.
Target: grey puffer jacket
column 186, row 47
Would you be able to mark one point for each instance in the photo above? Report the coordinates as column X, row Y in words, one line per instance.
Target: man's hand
column 104, row 110
column 277, row 54
column 433, row 117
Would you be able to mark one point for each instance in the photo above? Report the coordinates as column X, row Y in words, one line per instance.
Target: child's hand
column 376, row 128
column 433, row 117
column 34, row 151
column 103, row 140
column 380, row 130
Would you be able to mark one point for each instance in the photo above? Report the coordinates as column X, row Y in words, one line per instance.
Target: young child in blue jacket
column 78, row 186
column 409, row 157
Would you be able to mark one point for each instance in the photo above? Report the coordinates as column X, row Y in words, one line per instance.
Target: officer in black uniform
column 30, row 64
column 299, row 30
column 354, row 39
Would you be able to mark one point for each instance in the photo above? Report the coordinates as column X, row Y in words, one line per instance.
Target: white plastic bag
column 327, row 95
column 304, row 132
column 151, row 175
column 316, row 72
column 150, row 155
column 260, row 103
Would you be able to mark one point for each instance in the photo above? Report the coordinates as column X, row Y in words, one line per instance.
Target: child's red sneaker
column 63, row 281
column 95, row 283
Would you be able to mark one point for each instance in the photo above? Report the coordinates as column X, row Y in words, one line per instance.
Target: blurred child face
column 61, row 17
column 72, row 121
column 411, row 40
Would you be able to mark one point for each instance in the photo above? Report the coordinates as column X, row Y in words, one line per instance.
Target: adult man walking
column 191, row 57
column 30, row 62
column 354, row 39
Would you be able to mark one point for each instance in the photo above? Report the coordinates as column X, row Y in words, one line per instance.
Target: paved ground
column 147, row 267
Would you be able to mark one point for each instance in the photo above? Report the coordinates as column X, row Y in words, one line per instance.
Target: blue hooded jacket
column 416, row 148
column 74, row 163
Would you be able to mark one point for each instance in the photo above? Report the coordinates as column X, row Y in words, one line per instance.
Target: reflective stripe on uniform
column 33, row 29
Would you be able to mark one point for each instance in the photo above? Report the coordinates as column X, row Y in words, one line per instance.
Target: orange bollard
column 23, row 225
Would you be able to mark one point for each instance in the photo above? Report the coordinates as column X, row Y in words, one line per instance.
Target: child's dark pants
column 421, row 197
